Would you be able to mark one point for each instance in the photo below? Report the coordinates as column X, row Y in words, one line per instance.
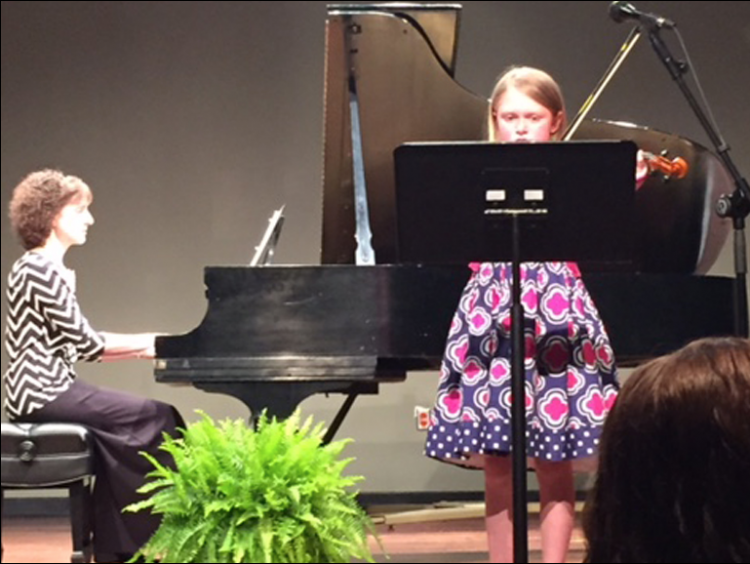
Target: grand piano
column 273, row 336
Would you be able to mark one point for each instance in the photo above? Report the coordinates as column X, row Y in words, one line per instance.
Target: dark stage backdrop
column 192, row 121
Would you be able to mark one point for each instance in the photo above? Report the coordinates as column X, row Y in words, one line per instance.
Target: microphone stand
column 735, row 205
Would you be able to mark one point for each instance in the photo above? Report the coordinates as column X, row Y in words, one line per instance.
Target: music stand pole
column 518, row 404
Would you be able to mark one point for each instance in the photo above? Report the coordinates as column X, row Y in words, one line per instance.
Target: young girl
column 46, row 334
column 570, row 371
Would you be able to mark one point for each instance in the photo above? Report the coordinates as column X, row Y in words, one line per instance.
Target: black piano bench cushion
column 38, row 455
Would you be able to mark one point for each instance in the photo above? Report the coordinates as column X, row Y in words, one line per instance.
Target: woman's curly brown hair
column 37, row 200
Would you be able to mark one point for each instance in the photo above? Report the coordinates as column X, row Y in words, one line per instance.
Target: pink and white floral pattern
column 569, row 367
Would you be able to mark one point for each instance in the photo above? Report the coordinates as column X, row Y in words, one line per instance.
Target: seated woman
column 46, row 333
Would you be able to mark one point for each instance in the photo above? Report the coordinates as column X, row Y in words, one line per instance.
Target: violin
column 675, row 168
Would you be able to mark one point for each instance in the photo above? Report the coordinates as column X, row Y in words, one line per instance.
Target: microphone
column 621, row 11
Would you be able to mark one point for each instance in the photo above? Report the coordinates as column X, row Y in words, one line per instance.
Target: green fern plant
column 273, row 494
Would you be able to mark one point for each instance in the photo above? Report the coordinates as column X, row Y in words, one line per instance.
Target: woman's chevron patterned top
column 45, row 335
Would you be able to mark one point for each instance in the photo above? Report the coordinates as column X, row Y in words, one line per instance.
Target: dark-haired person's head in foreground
column 674, row 470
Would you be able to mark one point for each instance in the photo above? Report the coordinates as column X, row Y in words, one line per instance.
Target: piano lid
column 438, row 23
column 403, row 58
column 678, row 229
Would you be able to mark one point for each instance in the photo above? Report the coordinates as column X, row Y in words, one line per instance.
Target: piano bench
column 53, row 455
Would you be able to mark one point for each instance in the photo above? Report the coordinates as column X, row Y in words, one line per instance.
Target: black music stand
column 463, row 202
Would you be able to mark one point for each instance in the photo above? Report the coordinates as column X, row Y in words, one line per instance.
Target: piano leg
column 342, row 413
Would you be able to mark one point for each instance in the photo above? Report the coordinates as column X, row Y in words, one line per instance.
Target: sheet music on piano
column 265, row 250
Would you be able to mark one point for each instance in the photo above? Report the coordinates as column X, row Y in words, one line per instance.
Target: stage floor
column 46, row 539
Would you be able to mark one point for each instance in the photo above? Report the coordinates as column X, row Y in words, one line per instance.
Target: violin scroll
column 674, row 168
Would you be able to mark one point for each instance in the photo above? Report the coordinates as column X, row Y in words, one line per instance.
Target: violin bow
column 630, row 41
